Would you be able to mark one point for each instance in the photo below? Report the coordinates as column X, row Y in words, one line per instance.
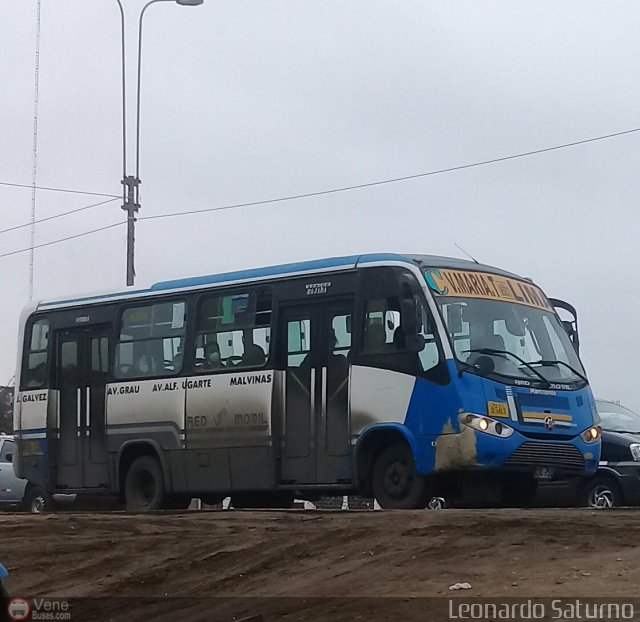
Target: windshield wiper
column 549, row 363
column 515, row 356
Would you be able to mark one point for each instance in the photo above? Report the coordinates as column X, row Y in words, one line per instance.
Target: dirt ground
column 303, row 565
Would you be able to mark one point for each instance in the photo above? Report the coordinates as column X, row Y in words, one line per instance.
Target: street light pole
column 131, row 184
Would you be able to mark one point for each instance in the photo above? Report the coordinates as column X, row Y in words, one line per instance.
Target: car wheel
column 602, row 493
column 38, row 500
column 395, row 481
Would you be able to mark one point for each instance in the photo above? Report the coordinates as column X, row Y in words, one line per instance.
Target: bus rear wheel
column 144, row 489
column 396, row 485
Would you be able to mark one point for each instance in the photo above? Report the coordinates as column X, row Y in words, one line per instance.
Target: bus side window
column 151, row 340
column 233, row 331
column 298, row 342
column 341, row 335
column 36, row 362
column 384, row 341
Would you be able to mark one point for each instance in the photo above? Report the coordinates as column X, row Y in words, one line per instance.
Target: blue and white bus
column 399, row 377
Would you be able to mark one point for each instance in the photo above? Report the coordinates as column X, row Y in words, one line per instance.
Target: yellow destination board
column 469, row 284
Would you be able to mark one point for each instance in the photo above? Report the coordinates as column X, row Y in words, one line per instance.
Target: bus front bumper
column 552, row 459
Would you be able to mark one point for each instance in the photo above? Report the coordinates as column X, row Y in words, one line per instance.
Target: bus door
column 82, row 363
column 317, row 344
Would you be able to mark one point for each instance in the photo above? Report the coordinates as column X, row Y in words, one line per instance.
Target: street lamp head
column 190, row 2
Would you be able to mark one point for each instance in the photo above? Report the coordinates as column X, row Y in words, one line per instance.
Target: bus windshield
column 523, row 341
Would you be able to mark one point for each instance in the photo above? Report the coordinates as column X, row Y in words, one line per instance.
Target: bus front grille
column 565, row 457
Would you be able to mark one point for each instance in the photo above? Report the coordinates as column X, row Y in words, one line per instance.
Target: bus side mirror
column 570, row 325
column 8, row 457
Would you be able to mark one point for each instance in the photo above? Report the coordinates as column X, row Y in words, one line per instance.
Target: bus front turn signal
column 592, row 434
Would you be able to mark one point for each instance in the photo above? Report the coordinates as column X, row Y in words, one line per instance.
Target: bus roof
column 329, row 264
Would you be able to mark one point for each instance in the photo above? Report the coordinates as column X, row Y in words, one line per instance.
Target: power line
column 70, row 237
column 393, row 179
column 95, row 194
column 331, row 191
column 73, row 211
column 345, row 188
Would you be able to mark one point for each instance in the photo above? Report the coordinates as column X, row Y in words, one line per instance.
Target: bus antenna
column 467, row 254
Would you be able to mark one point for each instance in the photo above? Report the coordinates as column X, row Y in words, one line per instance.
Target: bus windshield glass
column 509, row 321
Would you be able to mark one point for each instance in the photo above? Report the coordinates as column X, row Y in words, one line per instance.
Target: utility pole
column 130, row 183
column 131, row 206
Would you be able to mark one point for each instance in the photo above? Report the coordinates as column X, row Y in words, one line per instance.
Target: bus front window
column 522, row 341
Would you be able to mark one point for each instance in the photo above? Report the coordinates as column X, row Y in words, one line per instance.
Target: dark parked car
column 617, row 480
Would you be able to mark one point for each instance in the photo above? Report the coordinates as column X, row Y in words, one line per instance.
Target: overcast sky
column 244, row 100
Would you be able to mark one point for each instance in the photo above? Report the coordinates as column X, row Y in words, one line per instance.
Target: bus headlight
column 634, row 448
column 486, row 425
column 592, row 434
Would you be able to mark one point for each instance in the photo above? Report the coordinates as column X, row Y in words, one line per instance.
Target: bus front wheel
column 144, row 489
column 395, row 481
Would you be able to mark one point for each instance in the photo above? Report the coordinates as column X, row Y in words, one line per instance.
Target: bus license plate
column 543, row 472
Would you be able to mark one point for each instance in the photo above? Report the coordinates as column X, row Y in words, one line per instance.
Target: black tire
column 601, row 493
column 396, row 485
column 144, row 489
column 37, row 500
column 262, row 500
